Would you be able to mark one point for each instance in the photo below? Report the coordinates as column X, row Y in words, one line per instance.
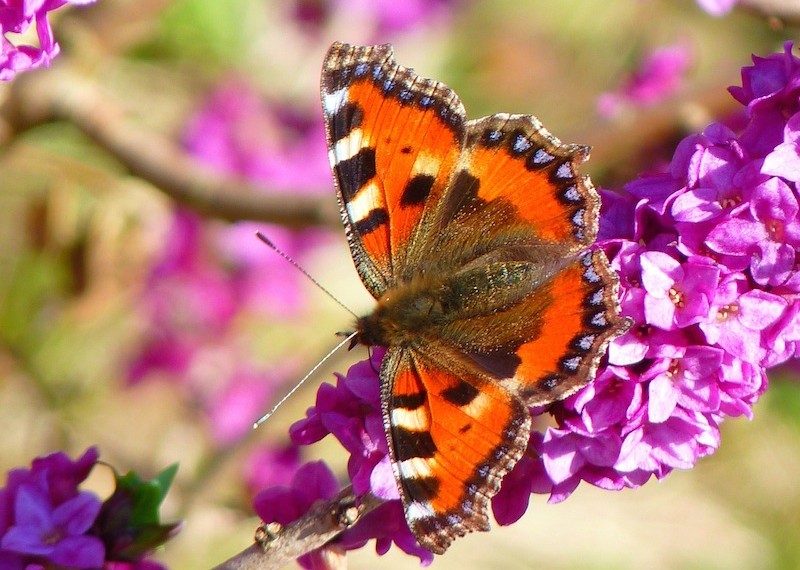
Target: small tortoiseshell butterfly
column 473, row 236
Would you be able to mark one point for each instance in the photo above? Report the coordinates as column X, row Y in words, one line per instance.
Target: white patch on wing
column 417, row 511
column 333, row 101
column 412, row 420
column 415, row 468
column 347, row 147
column 426, row 164
column 476, row 407
column 365, row 200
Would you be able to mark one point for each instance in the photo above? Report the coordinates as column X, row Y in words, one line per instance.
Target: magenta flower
column 55, row 533
column 351, row 412
column 660, row 74
column 739, row 318
column 269, row 465
column 285, row 504
column 677, row 295
column 16, row 16
column 685, row 377
column 767, row 234
column 47, row 521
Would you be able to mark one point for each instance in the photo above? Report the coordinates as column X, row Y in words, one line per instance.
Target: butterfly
column 475, row 239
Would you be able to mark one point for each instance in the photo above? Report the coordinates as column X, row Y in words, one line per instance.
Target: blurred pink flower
column 717, row 7
column 660, row 74
column 238, row 132
column 270, row 465
column 241, row 398
column 211, row 277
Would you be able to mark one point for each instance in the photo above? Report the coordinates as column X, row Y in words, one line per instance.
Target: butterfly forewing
column 394, row 139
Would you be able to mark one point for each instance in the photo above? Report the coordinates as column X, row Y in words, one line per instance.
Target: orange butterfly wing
column 571, row 312
column 394, row 139
column 454, row 434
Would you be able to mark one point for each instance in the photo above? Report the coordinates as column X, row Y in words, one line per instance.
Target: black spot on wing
column 375, row 219
column 355, row 172
column 409, row 401
column 461, row 394
column 410, row 444
column 349, row 117
column 417, row 190
column 421, row 488
column 498, row 364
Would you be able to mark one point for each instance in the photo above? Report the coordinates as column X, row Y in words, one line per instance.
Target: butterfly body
column 475, row 239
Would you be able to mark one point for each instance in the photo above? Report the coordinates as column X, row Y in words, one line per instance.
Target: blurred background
column 139, row 313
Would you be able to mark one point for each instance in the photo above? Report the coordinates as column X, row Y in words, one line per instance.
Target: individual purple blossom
column 740, row 317
column 55, row 533
column 46, row 520
column 351, row 412
column 685, row 376
column 677, row 294
column 16, row 16
column 285, row 504
column 660, row 74
column 767, row 234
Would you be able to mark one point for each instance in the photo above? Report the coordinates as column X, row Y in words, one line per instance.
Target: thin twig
column 319, row 525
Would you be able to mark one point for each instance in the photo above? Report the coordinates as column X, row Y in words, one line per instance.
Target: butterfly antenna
column 266, row 416
column 297, row 266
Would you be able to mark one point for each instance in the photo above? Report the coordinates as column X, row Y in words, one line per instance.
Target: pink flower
column 660, row 74
column 16, row 16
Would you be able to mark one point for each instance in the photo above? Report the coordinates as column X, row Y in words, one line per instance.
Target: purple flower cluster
column 16, row 16
column 211, row 280
column 46, row 520
column 706, row 257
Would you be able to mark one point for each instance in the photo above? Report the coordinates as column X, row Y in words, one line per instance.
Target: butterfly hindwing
column 517, row 187
column 394, row 139
column 453, row 435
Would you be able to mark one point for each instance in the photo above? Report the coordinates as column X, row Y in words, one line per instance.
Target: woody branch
column 321, row 524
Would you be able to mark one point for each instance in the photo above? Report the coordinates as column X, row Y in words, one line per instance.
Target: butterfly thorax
column 405, row 315
column 453, row 307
